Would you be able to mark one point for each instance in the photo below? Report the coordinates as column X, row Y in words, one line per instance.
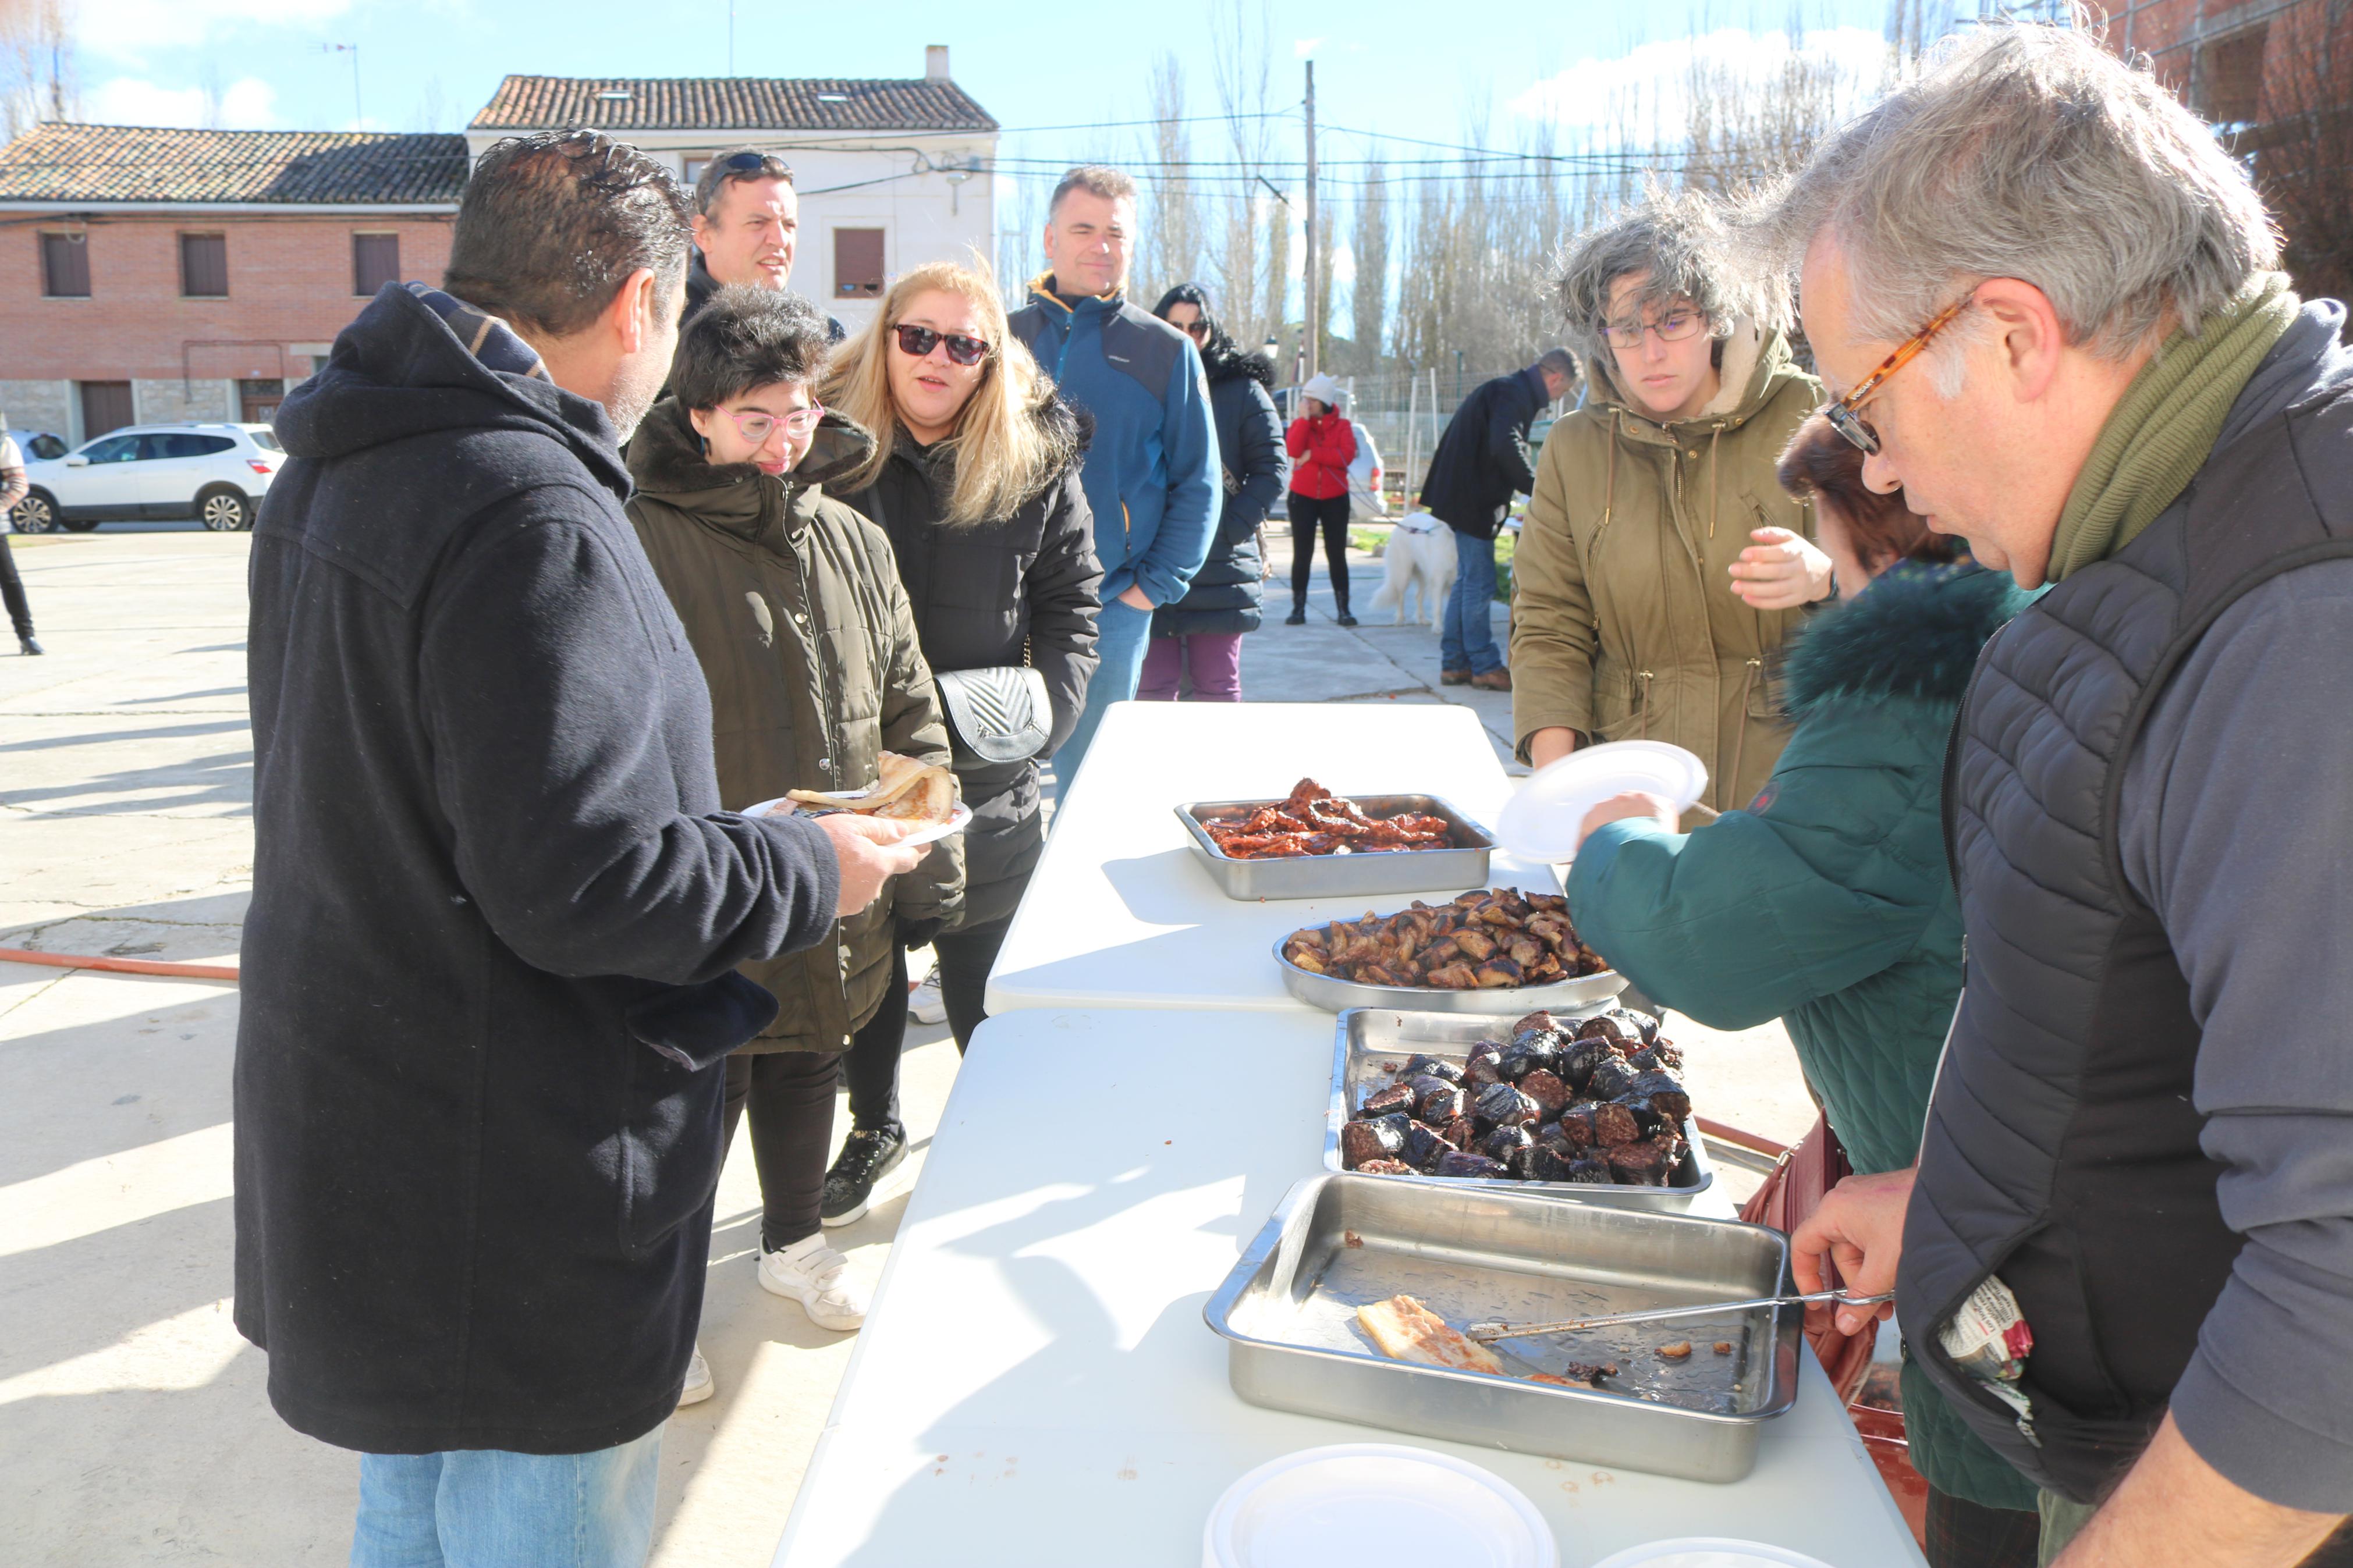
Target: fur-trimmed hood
column 1232, row 362
column 1915, row 633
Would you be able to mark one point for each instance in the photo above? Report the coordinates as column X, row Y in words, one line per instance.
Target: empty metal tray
column 1287, row 1313
column 1344, row 876
column 1367, row 1037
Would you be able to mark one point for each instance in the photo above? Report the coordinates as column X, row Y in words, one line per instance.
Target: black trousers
column 789, row 1097
column 870, row 1067
column 12, row 591
column 965, row 959
column 1308, row 516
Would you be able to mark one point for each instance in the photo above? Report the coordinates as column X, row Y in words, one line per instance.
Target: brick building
column 2276, row 77
column 157, row 274
column 154, row 274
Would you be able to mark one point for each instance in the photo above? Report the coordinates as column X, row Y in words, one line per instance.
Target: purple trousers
column 1214, row 658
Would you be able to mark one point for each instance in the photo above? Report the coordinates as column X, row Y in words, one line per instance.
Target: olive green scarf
column 2163, row 430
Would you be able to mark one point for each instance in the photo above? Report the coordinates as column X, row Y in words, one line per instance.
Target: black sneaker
column 1296, row 618
column 865, row 1159
column 1347, row 619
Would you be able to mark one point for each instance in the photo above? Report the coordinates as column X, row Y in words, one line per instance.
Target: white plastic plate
column 1710, row 1551
column 1364, row 1502
column 1541, row 819
column 960, row 815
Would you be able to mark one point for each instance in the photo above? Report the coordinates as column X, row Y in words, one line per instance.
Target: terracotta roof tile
column 66, row 163
column 729, row 103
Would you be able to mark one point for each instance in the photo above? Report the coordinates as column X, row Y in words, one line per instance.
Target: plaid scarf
column 487, row 338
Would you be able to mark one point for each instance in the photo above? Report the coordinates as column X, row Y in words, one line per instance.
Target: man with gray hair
column 2045, row 300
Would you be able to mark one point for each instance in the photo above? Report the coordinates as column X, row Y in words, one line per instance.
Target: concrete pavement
column 133, row 1425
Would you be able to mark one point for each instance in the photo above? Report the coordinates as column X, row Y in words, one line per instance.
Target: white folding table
column 1035, row 1386
column 1120, row 913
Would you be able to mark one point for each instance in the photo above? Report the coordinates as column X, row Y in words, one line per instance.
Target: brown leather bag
column 1796, row 1188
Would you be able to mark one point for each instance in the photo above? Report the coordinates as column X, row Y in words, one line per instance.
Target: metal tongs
column 1488, row 1332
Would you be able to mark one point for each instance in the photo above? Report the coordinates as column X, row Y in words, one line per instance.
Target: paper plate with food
column 922, row 794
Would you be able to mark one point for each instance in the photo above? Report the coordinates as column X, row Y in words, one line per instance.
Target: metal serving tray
column 1367, row 1037
column 1334, row 994
column 1287, row 1313
column 1344, row 876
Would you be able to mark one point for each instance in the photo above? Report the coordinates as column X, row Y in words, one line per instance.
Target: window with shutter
column 204, row 266
column 376, row 261
column 64, row 266
column 858, row 264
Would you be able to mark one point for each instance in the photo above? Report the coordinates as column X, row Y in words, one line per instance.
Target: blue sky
column 1389, row 66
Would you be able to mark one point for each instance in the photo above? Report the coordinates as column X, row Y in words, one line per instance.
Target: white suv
column 213, row 473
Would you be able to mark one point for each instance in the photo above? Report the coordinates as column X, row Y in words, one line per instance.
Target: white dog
column 1420, row 554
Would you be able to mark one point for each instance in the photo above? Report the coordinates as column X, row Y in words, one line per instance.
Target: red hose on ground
column 118, row 965
column 1748, row 1141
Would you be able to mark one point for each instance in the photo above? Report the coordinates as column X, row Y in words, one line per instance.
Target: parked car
column 216, row 473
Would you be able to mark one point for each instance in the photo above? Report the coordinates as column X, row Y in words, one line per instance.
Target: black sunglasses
column 916, row 341
column 756, row 163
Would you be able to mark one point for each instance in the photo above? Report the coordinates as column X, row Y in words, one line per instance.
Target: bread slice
column 1405, row 1329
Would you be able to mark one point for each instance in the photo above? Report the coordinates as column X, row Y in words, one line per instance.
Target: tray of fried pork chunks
column 1588, row 1106
column 1314, row 843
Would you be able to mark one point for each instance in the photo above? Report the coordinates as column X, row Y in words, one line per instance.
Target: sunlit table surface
column 1036, row 1386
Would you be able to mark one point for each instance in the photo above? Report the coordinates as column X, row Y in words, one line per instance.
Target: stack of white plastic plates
column 1363, row 1502
column 1541, row 819
column 1710, row 1551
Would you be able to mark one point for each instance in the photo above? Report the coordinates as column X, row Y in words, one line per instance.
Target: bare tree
column 1368, row 251
column 2302, row 143
column 37, row 80
column 1172, row 223
column 1249, row 249
column 209, row 84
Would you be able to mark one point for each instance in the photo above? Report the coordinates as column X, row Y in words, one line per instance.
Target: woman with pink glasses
column 795, row 609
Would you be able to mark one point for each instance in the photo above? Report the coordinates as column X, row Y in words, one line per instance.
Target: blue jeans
column 1465, row 642
column 1123, row 635
column 486, row 1507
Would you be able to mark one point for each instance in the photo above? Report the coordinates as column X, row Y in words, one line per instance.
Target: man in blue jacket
column 1150, row 470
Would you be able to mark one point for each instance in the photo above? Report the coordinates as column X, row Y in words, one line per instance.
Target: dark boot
column 26, row 645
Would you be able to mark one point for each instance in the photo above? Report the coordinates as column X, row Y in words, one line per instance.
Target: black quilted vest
column 2062, row 1149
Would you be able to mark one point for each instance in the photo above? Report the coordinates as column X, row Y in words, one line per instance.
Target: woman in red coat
column 1322, row 444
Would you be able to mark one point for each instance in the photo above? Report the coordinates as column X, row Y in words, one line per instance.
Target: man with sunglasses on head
column 2046, row 299
column 1151, row 467
column 747, row 228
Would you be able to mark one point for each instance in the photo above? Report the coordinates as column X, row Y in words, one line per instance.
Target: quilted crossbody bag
column 998, row 714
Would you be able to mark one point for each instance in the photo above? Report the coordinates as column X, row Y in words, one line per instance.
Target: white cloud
column 248, row 104
column 1303, row 47
column 1647, row 88
column 139, row 29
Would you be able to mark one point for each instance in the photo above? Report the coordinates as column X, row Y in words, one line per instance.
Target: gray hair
column 1677, row 238
column 2026, row 152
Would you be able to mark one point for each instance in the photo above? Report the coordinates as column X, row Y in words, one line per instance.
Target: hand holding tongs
column 1486, row 1333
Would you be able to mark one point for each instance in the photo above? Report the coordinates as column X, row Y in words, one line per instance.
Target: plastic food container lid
column 1541, row 819
column 1710, row 1551
column 1374, row 1502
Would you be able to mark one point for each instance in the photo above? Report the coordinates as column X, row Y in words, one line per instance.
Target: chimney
column 935, row 62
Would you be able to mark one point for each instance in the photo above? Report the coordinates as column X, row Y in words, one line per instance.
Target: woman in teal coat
column 1826, row 903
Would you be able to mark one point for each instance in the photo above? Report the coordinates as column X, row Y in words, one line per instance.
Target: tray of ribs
column 1314, row 843
column 1590, row 1106
column 1351, row 1303
column 1492, row 951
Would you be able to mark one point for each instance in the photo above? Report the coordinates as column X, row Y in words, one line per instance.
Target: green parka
column 1624, row 625
column 795, row 609
column 1829, row 904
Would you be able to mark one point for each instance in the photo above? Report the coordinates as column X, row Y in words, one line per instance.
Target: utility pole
column 1314, row 318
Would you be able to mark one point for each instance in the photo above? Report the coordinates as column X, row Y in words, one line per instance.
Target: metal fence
column 1406, row 414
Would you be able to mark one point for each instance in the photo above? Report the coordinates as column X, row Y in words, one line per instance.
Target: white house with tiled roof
column 891, row 172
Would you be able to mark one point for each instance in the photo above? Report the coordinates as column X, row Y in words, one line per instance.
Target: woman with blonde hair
column 975, row 477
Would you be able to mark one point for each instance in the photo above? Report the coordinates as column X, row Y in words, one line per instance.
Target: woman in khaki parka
column 792, row 605
column 1660, row 565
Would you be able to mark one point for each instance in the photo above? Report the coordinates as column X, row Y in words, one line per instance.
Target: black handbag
column 995, row 715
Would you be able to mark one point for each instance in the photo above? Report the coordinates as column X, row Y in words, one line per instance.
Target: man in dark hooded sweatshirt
column 489, row 968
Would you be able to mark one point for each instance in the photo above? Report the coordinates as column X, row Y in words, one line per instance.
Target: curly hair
column 1676, row 241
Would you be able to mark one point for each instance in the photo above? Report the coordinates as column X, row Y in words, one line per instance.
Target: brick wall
column 290, row 282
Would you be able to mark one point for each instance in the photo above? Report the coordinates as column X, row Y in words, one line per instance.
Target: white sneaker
column 925, row 1003
column 816, row 1276
column 698, row 1387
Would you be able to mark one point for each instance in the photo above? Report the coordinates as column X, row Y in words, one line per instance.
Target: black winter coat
column 1224, row 596
column 1483, row 459
column 982, row 594
column 491, row 875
